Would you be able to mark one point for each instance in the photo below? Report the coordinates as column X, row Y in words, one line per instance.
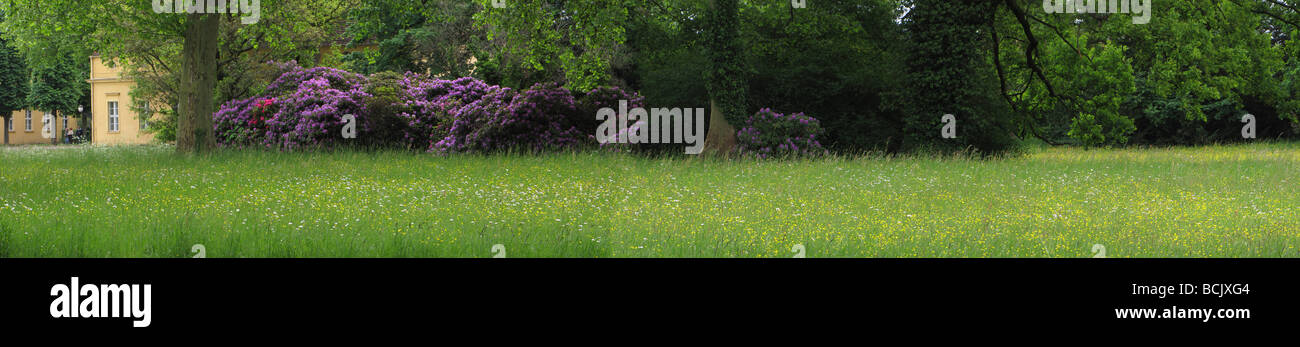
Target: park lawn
column 146, row 201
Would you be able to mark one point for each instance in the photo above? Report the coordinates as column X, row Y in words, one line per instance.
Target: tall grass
column 1222, row 201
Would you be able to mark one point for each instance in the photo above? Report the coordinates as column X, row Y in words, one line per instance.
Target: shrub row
column 305, row 108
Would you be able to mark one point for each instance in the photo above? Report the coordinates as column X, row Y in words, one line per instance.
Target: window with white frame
column 144, row 117
column 29, row 120
column 112, row 116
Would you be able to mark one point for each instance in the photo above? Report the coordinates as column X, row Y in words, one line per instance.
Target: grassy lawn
column 1230, row 201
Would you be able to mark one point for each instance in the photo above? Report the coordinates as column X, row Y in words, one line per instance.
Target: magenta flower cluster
column 433, row 105
column 312, row 116
column 544, row 117
column 304, row 108
column 768, row 134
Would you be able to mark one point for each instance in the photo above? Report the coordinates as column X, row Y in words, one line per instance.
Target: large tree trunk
column 721, row 137
column 726, row 76
column 5, row 127
column 199, row 79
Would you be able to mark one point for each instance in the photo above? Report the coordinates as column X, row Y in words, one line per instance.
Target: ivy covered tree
column 948, row 74
column 725, row 77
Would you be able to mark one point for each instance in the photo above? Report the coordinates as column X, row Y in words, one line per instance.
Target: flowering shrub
column 298, row 109
column 243, row 122
column 538, row 119
column 464, row 89
column 305, row 108
column 312, row 116
column 432, row 104
column 464, row 133
column 603, row 97
column 768, row 134
column 296, row 76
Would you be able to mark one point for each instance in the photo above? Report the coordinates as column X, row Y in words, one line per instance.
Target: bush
column 463, row 133
column 602, row 97
column 609, row 97
column 768, row 134
column 386, row 105
column 312, row 116
column 295, row 76
column 241, row 123
column 538, row 119
column 432, row 104
column 302, row 107
column 305, row 108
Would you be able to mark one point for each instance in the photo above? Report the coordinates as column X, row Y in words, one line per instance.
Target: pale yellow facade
column 112, row 112
column 21, row 134
column 113, row 116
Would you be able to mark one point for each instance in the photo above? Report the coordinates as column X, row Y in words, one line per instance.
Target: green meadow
column 1218, row 201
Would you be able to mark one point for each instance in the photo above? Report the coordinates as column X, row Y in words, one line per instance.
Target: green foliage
column 1198, row 69
column 59, row 85
column 1099, row 81
column 433, row 37
column 877, row 73
column 569, row 41
column 149, row 45
column 1087, row 130
column 835, row 60
column 666, row 59
column 13, row 80
column 163, row 125
column 726, row 76
column 384, row 106
column 949, row 75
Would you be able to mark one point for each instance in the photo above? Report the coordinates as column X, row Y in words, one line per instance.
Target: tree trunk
column 721, row 136
column 725, row 79
column 199, row 76
column 5, row 127
column 54, row 129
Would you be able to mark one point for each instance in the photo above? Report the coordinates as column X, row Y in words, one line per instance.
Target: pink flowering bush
column 295, row 76
column 305, row 108
column 433, row 104
column 312, row 116
column 242, row 123
column 538, row 119
column 768, row 134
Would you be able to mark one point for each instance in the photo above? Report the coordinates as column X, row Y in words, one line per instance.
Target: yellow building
column 112, row 112
column 25, row 126
column 113, row 118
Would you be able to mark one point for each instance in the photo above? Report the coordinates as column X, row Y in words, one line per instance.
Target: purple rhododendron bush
column 768, row 134
column 305, row 108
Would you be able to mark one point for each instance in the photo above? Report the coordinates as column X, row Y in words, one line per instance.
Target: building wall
column 20, row 135
column 106, row 86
